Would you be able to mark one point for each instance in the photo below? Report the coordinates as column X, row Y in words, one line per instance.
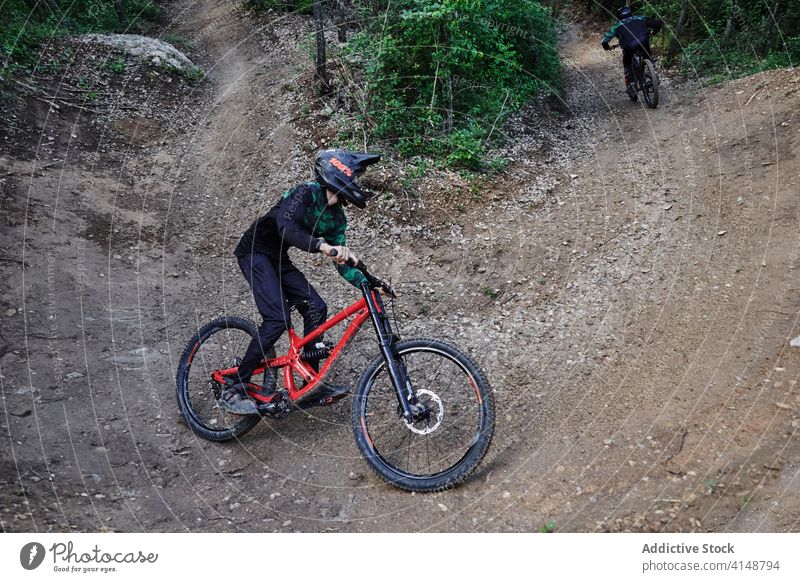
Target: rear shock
column 319, row 351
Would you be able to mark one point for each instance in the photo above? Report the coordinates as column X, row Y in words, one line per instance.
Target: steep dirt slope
column 629, row 286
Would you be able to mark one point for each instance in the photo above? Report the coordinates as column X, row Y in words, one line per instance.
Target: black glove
column 605, row 46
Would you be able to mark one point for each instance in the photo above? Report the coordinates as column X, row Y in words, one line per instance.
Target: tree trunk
column 675, row 44
column 731, row 24
column 341, row 19
column 769, row 26
column 119, row 6
column 322, row 75
column 449, row 103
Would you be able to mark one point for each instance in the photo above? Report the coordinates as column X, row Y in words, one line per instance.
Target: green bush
column 443, row 75
column 24, row 30
column 303, row 6
column 703, row 58
column 728, row 38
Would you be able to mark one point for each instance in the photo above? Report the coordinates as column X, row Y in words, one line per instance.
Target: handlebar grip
column 351, row 262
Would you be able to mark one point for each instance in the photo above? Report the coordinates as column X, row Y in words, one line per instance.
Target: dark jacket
column 633, row 31
column 301, row 219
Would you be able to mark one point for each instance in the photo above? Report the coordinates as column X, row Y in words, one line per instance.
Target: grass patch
column 193, row 76
column 116, row 66
column 24, row 30
column 549, row 527
column 490, row 292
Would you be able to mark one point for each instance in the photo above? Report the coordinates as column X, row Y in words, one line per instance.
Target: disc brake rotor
column 435, row 409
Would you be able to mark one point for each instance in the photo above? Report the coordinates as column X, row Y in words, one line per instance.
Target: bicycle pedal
column 276, row 408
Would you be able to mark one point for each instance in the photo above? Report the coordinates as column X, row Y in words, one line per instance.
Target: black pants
column 277, row 284
column 627, row 56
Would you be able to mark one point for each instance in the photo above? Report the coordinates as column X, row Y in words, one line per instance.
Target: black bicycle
column 645, row 77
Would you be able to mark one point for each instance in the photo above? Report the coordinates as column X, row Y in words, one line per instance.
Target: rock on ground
column 149, row 49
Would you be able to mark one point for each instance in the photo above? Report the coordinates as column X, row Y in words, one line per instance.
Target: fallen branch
column 684, row 432
column 31, row 87
column 753, row 96
column 53, row 163
column 52, row 337
column 52, row 104
column 80, row 107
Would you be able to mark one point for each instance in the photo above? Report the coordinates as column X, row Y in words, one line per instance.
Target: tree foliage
column 442, row 75
column 726, row 37
column 26, row 24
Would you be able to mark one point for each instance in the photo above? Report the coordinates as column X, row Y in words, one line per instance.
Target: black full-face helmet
column 624, row 12
column 338, row 170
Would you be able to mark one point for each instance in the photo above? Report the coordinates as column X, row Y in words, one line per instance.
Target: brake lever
column 374, row 282
column 386, row 287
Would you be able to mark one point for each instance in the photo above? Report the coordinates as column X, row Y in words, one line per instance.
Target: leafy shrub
column 442, row 75
column 726, row 38
column 116, row 66
column 303, row 6
column 24, row 29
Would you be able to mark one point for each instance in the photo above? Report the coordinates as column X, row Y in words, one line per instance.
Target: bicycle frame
column 369, row 304
column 637, row 65
column 292, row 362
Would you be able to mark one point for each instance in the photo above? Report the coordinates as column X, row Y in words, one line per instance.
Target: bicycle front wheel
column 650, row 84
column 441, row 449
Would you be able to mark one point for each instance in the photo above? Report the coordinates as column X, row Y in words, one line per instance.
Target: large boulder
column 152, row 50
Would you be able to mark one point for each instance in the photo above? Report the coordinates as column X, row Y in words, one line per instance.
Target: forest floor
column 629, row 285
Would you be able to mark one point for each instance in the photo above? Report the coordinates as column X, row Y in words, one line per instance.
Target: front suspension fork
column 387, row 340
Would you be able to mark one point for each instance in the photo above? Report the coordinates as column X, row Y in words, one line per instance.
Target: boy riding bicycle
column 309, row 217
column 633, row 32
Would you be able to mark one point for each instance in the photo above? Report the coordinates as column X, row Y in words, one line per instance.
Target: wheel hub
column 432, row 410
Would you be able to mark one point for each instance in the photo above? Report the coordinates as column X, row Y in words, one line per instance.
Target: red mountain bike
column 423, row 412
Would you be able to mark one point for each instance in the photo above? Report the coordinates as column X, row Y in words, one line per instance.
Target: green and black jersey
column 633, row 31
column 301, row 219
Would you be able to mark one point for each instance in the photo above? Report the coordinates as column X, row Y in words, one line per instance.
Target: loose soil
column 629, row 285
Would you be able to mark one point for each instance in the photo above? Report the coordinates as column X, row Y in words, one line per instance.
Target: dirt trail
column 630, row 287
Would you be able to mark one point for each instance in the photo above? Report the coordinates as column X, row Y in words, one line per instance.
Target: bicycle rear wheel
column 440, row 450
column 218, row 345
column 649, row 82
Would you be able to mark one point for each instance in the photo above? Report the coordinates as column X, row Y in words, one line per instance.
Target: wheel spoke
column 216, row 346
column 433, row 446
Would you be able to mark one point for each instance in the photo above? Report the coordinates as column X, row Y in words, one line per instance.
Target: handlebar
column 372, row 281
